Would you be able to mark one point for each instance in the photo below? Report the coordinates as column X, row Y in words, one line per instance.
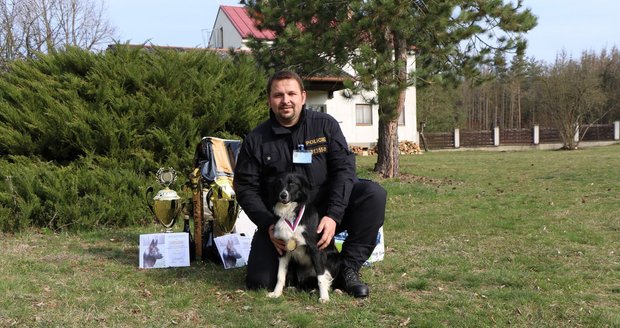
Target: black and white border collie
column 297, row 225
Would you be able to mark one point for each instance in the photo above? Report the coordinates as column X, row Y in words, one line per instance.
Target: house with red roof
column 358, row 117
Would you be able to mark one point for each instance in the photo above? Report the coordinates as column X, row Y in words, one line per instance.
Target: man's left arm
column 342, row 176
column 341, row 171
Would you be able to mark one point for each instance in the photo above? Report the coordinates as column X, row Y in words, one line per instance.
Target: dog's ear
column 276, row 184
column 304, row 187
column 303, row 181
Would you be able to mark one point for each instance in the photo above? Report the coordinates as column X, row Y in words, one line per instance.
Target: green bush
column 80, row 132
column 78, row 196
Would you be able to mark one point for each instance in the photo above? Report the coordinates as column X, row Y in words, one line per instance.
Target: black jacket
column 267, row 151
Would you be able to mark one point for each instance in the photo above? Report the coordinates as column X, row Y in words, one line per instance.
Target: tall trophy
column 222, row 204
column 215, row 207
column 167, row 203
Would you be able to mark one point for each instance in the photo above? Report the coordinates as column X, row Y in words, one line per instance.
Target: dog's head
column 290, row 187
column 153, row 250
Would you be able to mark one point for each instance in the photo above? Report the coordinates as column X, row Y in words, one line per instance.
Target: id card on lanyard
column 301, row 155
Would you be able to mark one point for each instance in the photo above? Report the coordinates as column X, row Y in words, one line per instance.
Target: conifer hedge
column 82, row 133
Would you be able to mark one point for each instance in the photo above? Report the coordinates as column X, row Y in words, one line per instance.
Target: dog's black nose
column 284, row 196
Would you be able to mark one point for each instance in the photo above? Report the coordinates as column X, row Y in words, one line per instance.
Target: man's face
column 286, row 100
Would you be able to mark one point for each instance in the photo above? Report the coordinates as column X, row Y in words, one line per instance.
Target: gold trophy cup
column 167, row 203
column 222, row 205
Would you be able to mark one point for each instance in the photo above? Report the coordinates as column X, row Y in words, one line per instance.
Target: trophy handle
column 149, row 193
column 180, row 207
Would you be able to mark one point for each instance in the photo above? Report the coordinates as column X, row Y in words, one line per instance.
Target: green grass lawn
column 474, row 239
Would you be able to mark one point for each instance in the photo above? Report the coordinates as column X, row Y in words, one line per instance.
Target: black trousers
column 362, row 219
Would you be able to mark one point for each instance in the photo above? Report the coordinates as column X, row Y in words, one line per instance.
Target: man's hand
column 327, row 226
column 279, row 244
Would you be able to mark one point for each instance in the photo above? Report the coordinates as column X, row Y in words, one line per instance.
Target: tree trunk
column 387, row 149
column 391, row 105
column 567, row 132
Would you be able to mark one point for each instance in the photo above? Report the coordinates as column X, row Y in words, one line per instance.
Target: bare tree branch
column 28, row 27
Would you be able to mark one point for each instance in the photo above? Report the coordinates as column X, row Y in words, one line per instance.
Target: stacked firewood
column 408, row 147
column 363, row 151
column 405, row 148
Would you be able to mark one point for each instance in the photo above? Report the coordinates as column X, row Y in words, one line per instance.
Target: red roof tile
column 244, row 24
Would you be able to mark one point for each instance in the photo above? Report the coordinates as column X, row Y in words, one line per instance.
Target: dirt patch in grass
column 424, row 180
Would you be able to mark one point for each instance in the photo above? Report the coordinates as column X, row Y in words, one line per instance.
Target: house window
column 219, row 37
column 317, row 108
column 363, row 114
column 401, row 118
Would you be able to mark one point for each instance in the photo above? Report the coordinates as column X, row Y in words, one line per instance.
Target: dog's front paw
column 324, row 300
column 274, row 295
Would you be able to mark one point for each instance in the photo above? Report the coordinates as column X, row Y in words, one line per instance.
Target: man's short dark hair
column 284, row 75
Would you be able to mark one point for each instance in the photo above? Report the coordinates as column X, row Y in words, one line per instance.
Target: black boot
column 351, row 283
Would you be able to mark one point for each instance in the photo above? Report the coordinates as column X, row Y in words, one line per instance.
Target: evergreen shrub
column 82, row 133
column 78, row 196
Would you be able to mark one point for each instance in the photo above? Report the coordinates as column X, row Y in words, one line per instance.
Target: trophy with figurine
column 167, row 204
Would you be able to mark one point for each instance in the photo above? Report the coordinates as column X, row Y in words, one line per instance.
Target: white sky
column 570, row 25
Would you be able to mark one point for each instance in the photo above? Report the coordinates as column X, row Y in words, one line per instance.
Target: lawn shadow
column 123, row 256
column 122, row 247
column 201, row 272
column 119, row 246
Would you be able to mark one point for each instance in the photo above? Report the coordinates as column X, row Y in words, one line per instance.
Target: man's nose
column 285, row 99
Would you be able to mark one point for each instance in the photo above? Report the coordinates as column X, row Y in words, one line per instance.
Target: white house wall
column 343, row 110
column 410, row 130
column 231, row 38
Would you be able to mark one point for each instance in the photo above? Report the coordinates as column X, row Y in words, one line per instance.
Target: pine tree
column 449, row 38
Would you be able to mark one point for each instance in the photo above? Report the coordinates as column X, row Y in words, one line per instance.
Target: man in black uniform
column 279, row 145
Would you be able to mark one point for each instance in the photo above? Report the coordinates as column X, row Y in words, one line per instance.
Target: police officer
column 294, row 139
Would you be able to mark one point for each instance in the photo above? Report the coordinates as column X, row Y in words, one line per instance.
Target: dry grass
column 473, row 239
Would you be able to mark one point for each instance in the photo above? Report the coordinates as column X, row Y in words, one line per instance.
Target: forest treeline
column 527, row 92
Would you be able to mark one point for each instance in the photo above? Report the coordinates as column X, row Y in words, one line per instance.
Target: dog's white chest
column 283, row 231
column 286, row 228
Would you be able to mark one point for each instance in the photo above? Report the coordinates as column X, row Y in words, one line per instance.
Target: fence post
column 457, row 138
column 617, row 130
column 496, row 136
column 536, row 134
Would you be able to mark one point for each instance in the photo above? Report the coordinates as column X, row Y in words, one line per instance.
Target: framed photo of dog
column 234, row 250
column 164, row 250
